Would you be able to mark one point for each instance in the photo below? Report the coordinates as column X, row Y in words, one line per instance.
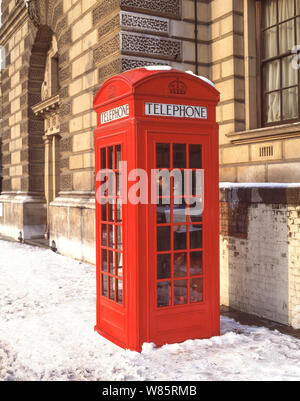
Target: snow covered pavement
column 47, row 317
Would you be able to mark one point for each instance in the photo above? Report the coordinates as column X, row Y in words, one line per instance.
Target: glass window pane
column 180, row 265
column 164, row 294
column 103, row 158
column 120, row 292
column 196, row 263
column 111, row 215
column 272, row 107
column 195, row 156
column 163, row 186
column 111, row 157
column 298, row 30
column 163, row 239
column 286, row 36
column 104, row 286
column 196, row 211
column 111, row 230
column 270, row 13
column 289, row 74
column 179, row 213
column 196, row 290
column 272, row 76
column 178, row 183
column 119, row 212
column 103, row 213
column 119, row 238
column 104, row 235
column 118, row 184
column 179, row 156
column 104, row 260
column 286, row 9
column 112, row 262
column 180, row 240
column 162, row 155
column 163, row 267
column 196, row 240
column 118, row 157
column 270, row 43
column 180, row 292
column 112, row 288
column 163, row 214
column 119, row 260
column 290, row 103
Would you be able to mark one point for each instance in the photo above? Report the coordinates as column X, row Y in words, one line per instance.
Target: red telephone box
column 157, row 259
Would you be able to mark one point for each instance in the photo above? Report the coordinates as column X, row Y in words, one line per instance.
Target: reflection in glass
column 103, row 213
column 178, row 183
column 119, row 264
column 196, row 263
column 195, row 156
column 164, row 294
column 120, row 292
column 112, row 288
column 163, row 267
column 111, row 214
column 118, row 157
column 104, row 235
column 179, row 156
column 196, row 290
column 163, row 239
column 163, row 187
column 163, row 214
column 111, row 229
column 103, row 158
column 119, row 212
column 104, row 286
column 162, row 155
column 180, row 240
column 104, row 260
column 118, row 184
column 196, row 211
column 119, row 238
column 180, row 292
column 179, row 213
column 180, row 265
column 196, row 240
column 111, row 262
column 111, row 157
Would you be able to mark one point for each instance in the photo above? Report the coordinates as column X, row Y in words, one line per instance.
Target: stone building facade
column 59, row 52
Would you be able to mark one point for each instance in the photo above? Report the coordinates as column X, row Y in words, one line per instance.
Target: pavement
column 241, row 317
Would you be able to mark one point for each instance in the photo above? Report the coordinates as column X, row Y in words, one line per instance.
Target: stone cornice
column 264, row 134
column 46, row 105
column 17, row 18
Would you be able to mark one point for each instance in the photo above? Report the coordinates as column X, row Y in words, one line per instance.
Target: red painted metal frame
column 139, row 320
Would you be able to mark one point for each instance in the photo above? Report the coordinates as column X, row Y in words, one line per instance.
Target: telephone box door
column 110, row 233
column 182, row 268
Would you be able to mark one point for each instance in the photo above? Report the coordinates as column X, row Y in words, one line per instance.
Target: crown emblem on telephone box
column 178, row 87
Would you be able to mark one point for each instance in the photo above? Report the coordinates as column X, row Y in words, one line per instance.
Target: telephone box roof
column 132, row 81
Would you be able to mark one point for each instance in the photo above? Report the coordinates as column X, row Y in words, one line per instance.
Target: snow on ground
column 47, row 311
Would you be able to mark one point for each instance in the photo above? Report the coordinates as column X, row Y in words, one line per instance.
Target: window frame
column 261, row 102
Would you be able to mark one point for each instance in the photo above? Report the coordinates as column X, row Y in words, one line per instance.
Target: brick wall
column 260, row 251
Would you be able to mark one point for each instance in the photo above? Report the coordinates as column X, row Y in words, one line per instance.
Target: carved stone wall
column 96, row 39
